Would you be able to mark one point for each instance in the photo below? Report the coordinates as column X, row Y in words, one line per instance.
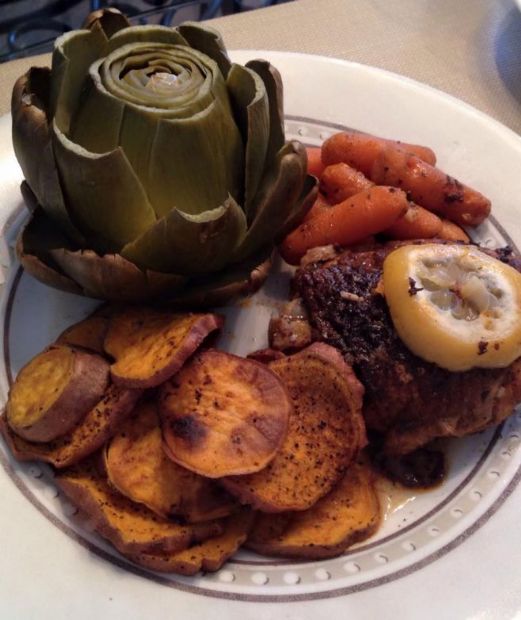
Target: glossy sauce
column 393, row 497
column 400, row 481
column 423, row 468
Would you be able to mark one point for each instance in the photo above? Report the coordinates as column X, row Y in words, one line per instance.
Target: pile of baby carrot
column 369, row 186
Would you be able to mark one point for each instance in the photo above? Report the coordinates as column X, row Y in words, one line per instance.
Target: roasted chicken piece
column 408, row 400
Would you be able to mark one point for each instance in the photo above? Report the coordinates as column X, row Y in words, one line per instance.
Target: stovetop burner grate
column 29, row 27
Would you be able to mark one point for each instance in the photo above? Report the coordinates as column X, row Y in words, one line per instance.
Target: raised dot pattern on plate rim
column 339, row 573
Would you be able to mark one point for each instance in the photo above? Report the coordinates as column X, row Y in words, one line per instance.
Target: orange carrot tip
column 430, row 187
column 320, row 204
column 416, row 223
column 315, row 165
column 452, row 232
column 341, row 181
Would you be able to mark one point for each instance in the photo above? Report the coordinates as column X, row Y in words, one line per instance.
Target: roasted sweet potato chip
column 150, row 346
column 139, row 469
column 346, row 515
column 326, row 430
column 208, row 556
column 222, row 415
column 89, row 435
column 130, row 527
column 270, row 526
column 89, row 333
column 54, row 391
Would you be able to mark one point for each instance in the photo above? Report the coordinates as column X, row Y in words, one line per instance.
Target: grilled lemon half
column 454, row 305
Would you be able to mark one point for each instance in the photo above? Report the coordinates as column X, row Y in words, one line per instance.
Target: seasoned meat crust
column 409, row 400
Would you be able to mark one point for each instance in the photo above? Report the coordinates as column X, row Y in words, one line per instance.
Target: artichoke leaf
column 190, row 156
column 146, row 34
column 305, row 201
column 34, row 245
column 126, row 74
column 40, row 235
column 208, row 41
column 280, row 189
column 274, row 87
column 194, row 163
column 96, row 124
column 245, row 278
column 114, row 278
column 45, row 272
column 190, row 244
column 109, row 20
column 160, row 151
column 251, row 108
column 32, row 143
column 112, row 115
column 103, row 193
column 73, row 54
column 31, row 202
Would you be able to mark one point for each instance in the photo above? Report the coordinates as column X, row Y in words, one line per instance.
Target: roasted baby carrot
column 430, row 187
column 320, row 204
column 367, row 213
column 416, row 223
column 341, row 181
column 360, row 150
column 452, row 232
column 315, row 165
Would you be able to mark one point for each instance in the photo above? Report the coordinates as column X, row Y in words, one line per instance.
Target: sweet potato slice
column 88, row 334
column 326, row 431
column 348, row 514
column 89, row 435
column 130, row 527
column 54, row 391
column 150, row 346
column 268, row 527
column 223, row 415
column 265, row 356
column 208, row 556
column 138, row 468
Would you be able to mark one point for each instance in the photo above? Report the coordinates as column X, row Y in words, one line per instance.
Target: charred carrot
column 452, row 232
column 341, row 181
column 361, row 150
column 416, row 223
column 367, row 213
column 430, row 187
column 320, row 204
column 315, row 165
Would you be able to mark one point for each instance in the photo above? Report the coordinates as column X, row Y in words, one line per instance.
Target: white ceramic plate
column 451, row 552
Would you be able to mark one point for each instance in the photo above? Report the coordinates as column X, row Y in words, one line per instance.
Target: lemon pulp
column 454, row 305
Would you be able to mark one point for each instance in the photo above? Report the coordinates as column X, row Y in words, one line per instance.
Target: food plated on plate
column 203, row 448
column 417, row 343
column 398, row 331
column 144, row 138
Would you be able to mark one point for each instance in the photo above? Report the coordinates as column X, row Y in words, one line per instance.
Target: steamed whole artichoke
column 156, row 167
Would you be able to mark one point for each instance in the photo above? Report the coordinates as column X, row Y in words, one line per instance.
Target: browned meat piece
column 290, row 330
column 409, row 400
column 320, row 253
